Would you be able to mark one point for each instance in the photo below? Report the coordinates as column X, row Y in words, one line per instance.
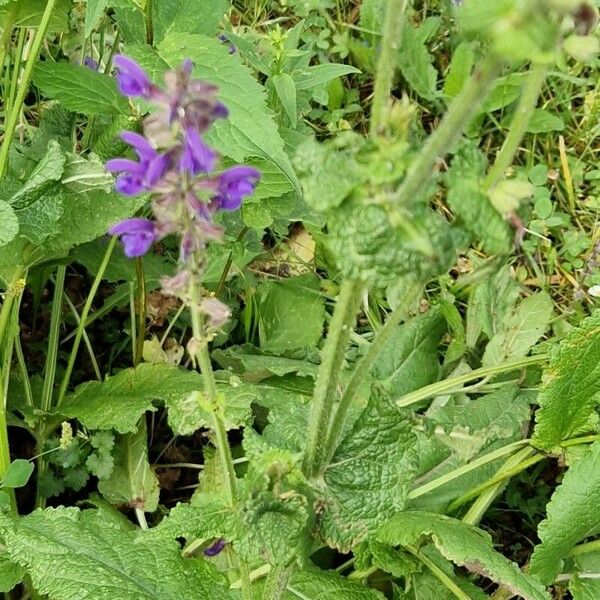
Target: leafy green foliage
column 369, row 476
column 570, row 386
column 464, row 545
column 571, row 516
column 70, row 553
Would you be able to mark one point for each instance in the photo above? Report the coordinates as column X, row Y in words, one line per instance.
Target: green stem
column 362, row 369
column 446, row 385
column 53, row 339
column 16, row 69
column 386, row 65
column 142, row 310
column 448, row 582
column 460, row 471
column 276, row 584
column 482, row 503
column 518, row 126
column 83, row 319
column 503, row 475
column 7, row 29
column 585, row 548
column 333, row 352
column 13, row 116
column 210, row 389
column 229, row 262
column 149, row 24
column 460, row 112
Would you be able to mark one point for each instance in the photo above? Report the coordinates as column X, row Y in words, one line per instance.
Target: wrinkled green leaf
column 9, row 223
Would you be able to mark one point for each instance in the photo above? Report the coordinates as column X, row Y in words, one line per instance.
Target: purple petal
column 133, row 225
column 88, row 61
column 220, row 111
column 239, row 172
column 129, row 184
column 187, row 66
column 157, row 167
column 132, row 79
column 137, row 235
column 216, row 548
column 123, row 164
column 140, row 144
column 197, row 157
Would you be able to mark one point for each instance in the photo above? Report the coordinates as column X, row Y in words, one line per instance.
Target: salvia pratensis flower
column 132, row 79
column 137, row 235
column 233, row 185
column 197, row 157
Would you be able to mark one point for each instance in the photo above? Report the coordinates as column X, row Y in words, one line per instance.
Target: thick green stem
column 518, row 126
column 142, row 310
column 455, row 383
column 7, row 28
column 460, row 112
column 276, row 584
column 149, row 23
column 362, row 370
column 340, row 327
column 210, row 390
column 13, row 116
column 386, row 65
column 83, row 319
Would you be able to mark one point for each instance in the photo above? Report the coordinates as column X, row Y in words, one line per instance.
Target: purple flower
column 197, row 157
column 223, row 38
column 132, row 79
column 91, row 63
column 137, row 235
column 216, row 548
column 138, row 176
column 233, row 184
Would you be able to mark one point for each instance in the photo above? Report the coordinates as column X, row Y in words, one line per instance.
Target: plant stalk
column 362, row 370
column 142, row 310
column 386, row 65
column 446, row 385
column 148, row 22
column 518, row 126
column 333, row 352
column 460, row 112
column 276, row 583
column 13, row 116
column 83, row 320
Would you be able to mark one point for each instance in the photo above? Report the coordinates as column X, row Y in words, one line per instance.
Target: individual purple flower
column 233, row 184
column 215, row 548
column 91, row 63
column 132, row 79
column 137, row 235
column 197, row 157
column 138, row 176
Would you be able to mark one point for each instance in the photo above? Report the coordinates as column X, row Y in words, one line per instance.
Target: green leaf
column 570, row 385
column 132, row 482
column 286, row 91
column 572, row 516
column 520, row 330
column 80, row 89
column 94, row 11
column 409, row 360
column 463, row 544
column 369, row 476
column 471, row 206
column 11, row 574
column 291, row 314
column 326, row 585
column 543, row 121
column 584, row 585
column 416, row 63
column 46, row 174
column 187, row 16
column 316, row 75
column 250, row 129
column 18, row 473
column 71, row 554
column 460, row 69
column 28, row 13
column 9, row 223
column 84, row 174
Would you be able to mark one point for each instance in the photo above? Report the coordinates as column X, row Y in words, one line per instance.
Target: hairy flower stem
column 210, row 389
column 518, row 126
column 148, row 22
column 142, row 310
column 333, row 352
column 276, row 583
column 455, row 383
column 361, row 371
column 13, row 116
column 386, row 65
column 461, row 111
column 64, row 384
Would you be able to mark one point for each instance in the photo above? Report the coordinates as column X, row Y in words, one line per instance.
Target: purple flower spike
column 137, row 235
column 233, row 185
column 132, row 79
column 197, row 157
column 216, row 548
